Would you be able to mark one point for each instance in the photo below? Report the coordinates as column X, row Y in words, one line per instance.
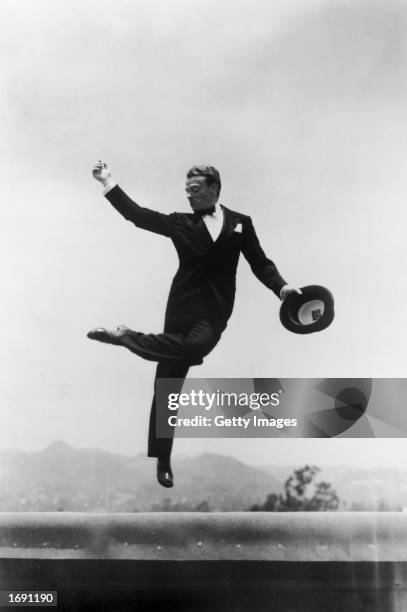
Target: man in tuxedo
column 208, row 241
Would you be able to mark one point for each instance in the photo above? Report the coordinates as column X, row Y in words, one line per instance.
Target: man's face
column 199, row 195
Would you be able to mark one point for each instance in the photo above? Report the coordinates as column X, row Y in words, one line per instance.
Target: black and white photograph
column 203, row 301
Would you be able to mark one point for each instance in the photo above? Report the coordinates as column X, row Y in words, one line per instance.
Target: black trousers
column 184, row 342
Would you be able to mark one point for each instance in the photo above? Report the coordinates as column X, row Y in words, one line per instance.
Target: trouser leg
column 180, row 347
column 162, row 447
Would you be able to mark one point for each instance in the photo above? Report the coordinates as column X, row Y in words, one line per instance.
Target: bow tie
column 202, row 213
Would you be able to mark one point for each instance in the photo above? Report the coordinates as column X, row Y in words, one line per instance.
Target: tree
column 301, row 494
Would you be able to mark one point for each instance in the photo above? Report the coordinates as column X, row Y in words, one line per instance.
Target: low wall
column 200, row 561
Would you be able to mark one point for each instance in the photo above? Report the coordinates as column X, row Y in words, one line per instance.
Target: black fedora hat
column 309, row 312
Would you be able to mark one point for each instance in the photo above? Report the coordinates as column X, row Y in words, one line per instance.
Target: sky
column 301, row 106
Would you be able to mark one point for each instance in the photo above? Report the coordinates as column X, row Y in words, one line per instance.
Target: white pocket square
column 238, row 228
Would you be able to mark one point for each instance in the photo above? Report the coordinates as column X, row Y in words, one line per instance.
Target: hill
column 61, row 477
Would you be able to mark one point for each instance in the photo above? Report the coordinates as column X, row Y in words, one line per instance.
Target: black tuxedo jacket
column 205, row 283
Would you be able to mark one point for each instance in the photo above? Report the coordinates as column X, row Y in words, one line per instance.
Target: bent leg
column 188, row 347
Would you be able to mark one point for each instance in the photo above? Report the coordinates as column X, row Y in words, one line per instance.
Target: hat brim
column 290, row 310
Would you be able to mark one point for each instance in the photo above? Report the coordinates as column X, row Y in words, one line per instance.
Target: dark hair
column 209, row 172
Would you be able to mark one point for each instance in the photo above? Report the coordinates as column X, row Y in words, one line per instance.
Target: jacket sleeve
column 144, row 218
column 264, row 269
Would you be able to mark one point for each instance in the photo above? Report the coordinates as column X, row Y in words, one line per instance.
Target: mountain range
column 63, row 478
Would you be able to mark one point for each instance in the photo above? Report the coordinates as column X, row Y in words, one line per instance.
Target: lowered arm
column 263, row 268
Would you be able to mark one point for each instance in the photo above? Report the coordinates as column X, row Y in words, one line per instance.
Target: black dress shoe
column 110, row 337
column 164, row 473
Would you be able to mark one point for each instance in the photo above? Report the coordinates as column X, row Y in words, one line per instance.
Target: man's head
column 202, row 187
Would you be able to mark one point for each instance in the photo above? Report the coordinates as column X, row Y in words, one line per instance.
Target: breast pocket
column 235, row 239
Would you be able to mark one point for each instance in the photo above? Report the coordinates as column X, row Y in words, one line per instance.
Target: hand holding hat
column 287, row 290
column 306, row 310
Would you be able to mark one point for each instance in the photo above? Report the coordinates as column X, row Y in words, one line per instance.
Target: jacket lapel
column 201, row 231
column 230, row 221
column 229, row 224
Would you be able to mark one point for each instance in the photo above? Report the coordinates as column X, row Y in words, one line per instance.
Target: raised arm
column 144, row 218
column 263, row 268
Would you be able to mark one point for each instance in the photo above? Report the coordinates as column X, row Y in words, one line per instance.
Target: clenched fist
column 101, row 172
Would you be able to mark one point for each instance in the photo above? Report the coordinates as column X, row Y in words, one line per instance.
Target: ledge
column 263, row 536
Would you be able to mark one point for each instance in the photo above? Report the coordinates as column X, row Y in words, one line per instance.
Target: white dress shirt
column 214, row 222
